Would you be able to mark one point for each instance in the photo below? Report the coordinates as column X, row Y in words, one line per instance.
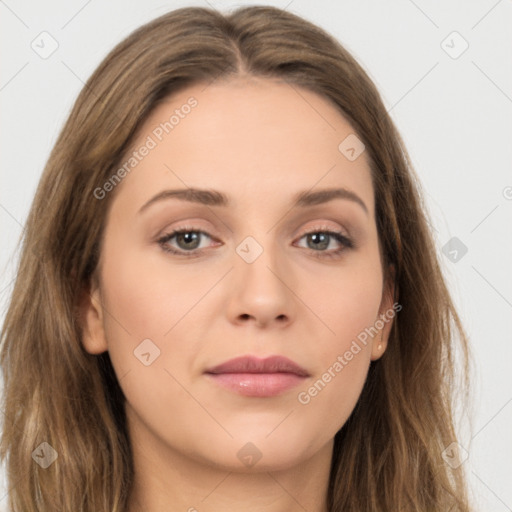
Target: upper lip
column 251, row 364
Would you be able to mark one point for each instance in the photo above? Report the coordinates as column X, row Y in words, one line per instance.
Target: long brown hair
column 388, row 456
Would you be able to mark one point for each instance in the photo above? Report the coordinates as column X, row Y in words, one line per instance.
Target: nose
column 261, row 291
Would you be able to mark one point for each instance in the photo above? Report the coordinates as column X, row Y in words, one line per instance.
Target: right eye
column 187, row 240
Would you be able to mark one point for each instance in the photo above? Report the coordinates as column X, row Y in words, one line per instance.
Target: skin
column 259, row 142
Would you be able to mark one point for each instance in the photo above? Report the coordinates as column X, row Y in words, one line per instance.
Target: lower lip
column 257, row 384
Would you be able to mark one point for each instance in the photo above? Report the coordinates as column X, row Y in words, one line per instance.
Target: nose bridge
column 260, row 275
column 259, row 260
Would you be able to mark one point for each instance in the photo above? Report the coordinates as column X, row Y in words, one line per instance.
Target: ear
column 91, row 316
column 387, row 312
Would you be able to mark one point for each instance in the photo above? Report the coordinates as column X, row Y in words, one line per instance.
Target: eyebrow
column 210, row 197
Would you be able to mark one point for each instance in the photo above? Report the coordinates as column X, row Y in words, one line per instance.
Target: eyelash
column 345, row 242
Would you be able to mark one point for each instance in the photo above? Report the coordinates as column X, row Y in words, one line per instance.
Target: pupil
column 320, row 240
column 189, row 237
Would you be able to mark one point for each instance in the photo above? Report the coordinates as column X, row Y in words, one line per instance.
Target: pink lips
column 251, row 376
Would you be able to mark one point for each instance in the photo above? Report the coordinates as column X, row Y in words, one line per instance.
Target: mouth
column 251, row 376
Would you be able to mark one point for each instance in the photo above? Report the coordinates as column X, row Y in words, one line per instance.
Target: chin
column 256, row 451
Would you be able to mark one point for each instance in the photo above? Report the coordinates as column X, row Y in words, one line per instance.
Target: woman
column 228, row 295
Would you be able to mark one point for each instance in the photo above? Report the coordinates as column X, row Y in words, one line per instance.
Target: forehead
column 249, row 137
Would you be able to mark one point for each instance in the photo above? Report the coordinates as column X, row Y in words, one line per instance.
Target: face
column 263, row 265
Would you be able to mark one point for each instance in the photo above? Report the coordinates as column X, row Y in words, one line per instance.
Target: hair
column 388, row 455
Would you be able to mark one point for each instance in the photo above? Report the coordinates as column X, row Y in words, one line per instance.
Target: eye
column 188, row 241
column 319, row 241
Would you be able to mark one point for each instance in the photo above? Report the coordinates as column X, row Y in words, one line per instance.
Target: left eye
column 320, row 240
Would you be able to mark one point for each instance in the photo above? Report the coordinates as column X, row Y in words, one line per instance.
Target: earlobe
column 386, row 315
column 379, row 346
column 91, row 315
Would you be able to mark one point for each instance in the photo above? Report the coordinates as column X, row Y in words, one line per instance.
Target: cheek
column 347, row 303
column 145, row 297
column 349, row 307
column 330, row 397
column 139, row 305
column 146, row 309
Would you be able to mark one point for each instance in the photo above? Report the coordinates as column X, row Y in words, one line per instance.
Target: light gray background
column 454, row 114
